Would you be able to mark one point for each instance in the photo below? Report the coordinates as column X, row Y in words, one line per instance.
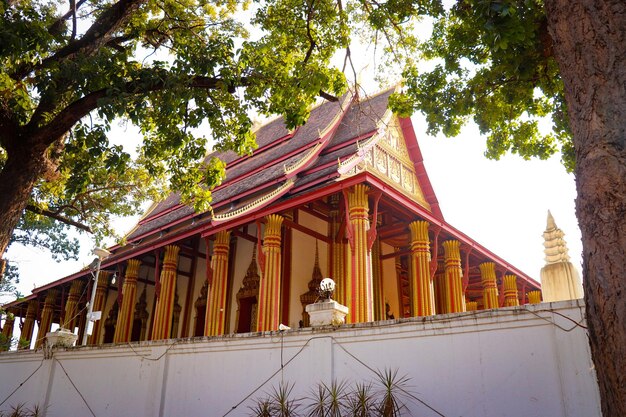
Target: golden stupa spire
column 555, row 246
column 559, row 278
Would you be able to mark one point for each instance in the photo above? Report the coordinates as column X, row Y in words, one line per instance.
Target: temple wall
column 200, row 277
column 390, row 281
column 243, row 257
column 518, row 361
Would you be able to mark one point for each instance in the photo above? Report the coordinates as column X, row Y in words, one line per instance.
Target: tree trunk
column 18, row 176
column 590, row 46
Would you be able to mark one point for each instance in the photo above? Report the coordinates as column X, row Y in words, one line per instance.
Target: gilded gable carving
column 387, row 156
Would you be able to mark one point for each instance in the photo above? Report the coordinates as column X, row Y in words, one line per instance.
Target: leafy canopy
column 493, row 63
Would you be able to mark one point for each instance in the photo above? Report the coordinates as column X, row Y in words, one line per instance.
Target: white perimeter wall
column 523, row 361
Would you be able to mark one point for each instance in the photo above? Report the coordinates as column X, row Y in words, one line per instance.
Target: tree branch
column 97, row 35
column 56, row 26
column 312, row 42
column 58, row 217
column 327, row 96
column 83, row 106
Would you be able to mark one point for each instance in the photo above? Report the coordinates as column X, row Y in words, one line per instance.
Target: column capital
column 273, row 225
column 103, row 279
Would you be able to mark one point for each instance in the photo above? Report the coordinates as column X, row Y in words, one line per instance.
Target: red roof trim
column 262, row 149
column 351, row 141
column 418, row 164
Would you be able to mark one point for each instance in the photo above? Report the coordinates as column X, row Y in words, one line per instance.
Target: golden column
column 46, row 317
column 440, row 288
column 124, row 324
column 534, row 297
column 216, row 298
column 339, row 267
column 453, row 283
column 510, row 291
column 29, row 322
column 359, row 284
column 69, row 319
column 377, row 278
column 268, row 314
column 422, row 294
column 98, row 305
column 7, row 330
column 490, row 288
column 471, row 305
column 162, row 324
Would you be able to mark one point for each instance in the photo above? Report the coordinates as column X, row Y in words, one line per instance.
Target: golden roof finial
column 555, row 247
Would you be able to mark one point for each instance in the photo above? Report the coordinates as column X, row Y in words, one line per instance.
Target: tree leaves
column 494, row 66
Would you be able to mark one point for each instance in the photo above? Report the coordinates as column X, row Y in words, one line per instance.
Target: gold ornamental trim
column 256, row 204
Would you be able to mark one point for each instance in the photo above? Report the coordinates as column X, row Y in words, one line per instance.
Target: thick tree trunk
column 590, row 46
column 18, row 176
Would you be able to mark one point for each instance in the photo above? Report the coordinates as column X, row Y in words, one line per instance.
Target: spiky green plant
column 393, row 393
column 282, row 405
column 361, row 402
column 318, row 401
column 337, row 398
column 20, row 410
column 262, row 408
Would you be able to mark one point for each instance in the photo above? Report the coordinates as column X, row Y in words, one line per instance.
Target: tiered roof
column 332, row 151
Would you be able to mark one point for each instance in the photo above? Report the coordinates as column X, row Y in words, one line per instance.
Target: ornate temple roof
column 350, row 141
column 309, row 156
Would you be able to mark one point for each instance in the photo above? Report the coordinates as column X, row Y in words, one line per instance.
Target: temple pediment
column 386, row 156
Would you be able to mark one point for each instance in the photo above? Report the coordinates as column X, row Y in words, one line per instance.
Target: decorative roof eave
column 293, row 169
column 254, row 205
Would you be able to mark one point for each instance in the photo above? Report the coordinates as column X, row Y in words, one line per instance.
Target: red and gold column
column 377, row 278
column 339, row 267
column 46, row 317
column 124, row 325
column 422, row 294
column 534, row 297
column 69, row 319
column 216, row 298
column 268, row 314
column 7, row 329
column 453, row 291
column 162, row 324
column 510, row 291
column 490, row 288
column 98, row 305
column 359, row 284
column 440, row 288
column 29, row 322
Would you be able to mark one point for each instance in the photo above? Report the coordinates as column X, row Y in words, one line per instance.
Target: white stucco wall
column 523, row 361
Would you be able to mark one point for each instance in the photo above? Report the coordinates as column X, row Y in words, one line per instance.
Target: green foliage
column 493, row 63
column 386, row 397
column 21, row 410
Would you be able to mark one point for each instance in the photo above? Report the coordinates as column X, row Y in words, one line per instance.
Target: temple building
column 345, row 196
